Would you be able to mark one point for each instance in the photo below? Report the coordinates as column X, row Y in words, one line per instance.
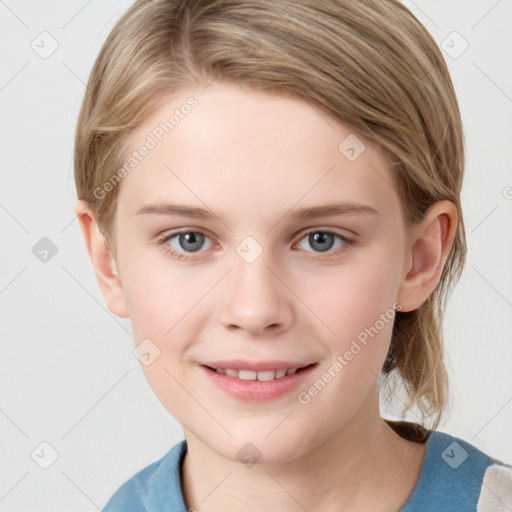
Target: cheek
column 162, row 308
column 352, row 297
column 163, row 311
column 357, row 306
column 168, row 304
column 158, row 292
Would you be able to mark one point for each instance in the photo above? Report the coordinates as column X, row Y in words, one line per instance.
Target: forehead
column 254, row 151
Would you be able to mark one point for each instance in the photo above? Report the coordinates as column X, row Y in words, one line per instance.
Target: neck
column 357, row 467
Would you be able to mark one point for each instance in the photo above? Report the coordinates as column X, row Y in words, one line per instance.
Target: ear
column 103, row 262
column 428, row 248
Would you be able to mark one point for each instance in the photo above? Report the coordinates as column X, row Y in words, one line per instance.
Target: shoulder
column 458, row 476
column 156, row 488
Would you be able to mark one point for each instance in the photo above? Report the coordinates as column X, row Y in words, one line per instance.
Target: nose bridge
column 253, row 296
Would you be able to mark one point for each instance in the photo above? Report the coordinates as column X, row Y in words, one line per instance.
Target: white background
column 68, row 375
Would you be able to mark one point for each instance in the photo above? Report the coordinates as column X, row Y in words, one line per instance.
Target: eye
column 188, row 241
column 323, row 241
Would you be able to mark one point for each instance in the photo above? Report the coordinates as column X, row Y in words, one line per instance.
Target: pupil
column 194, row 238
column 320, row 238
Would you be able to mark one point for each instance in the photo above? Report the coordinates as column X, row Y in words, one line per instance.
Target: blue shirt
column 455, row 476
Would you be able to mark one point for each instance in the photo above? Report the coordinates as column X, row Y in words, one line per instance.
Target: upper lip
column 257, row 366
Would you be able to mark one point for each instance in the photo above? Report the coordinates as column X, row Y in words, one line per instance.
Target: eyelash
column 348, row 243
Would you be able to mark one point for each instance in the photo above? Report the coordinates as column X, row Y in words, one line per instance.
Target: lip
column 255, row 390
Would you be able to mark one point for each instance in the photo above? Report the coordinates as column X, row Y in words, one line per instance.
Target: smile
column 258, row 385
column 253, row 375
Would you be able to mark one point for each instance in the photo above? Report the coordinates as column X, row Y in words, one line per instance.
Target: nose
column 255, row 299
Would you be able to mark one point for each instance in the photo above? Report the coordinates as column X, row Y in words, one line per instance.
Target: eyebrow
column 340, row 208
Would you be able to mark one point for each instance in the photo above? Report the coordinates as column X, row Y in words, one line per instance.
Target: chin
column 254, row 448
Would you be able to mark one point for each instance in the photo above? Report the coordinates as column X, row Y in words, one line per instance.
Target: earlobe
column 429, row 246
column 103, row 262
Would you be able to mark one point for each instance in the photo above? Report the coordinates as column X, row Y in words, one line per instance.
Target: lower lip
column 255, row 390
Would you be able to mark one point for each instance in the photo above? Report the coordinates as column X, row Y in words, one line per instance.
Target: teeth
column 268, row 375
column 252, row 375
column 247, row 375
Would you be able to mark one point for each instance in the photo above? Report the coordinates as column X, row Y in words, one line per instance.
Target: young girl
column 311, row 154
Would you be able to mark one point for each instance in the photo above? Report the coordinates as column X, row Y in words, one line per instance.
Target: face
column 257, row 281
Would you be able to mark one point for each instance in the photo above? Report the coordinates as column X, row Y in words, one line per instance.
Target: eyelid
column 343, row 232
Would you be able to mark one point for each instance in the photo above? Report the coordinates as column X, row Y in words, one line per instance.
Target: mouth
column 258, row 385
column 262, row 376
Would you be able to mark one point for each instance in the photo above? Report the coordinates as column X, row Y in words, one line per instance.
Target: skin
column 253, row 158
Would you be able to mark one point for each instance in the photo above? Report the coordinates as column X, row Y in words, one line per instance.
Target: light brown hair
column 369, row 64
